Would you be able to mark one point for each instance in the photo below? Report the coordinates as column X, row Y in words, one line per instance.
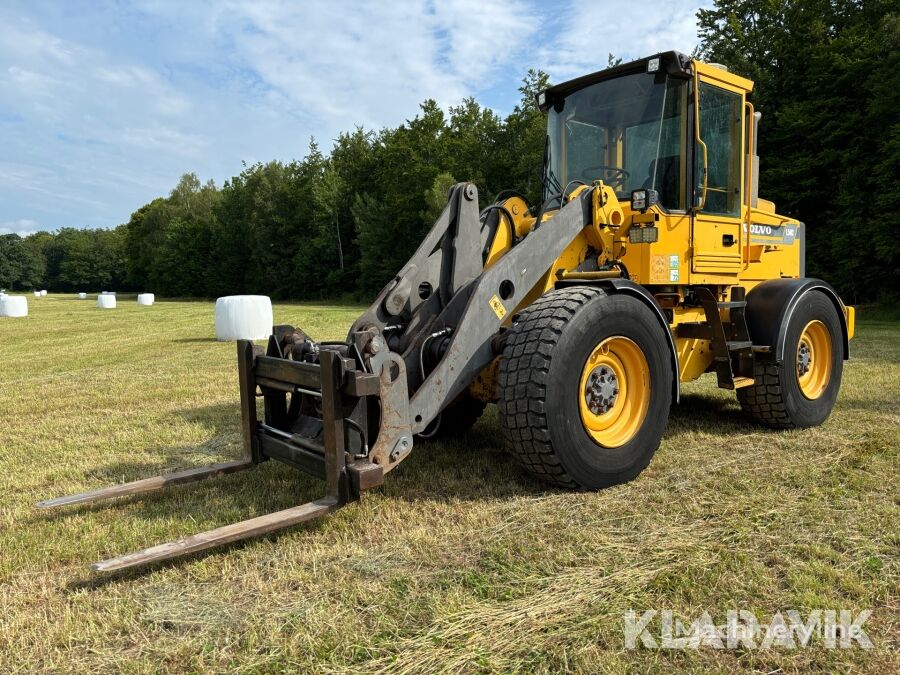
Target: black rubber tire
column 540, row 373
column 456, row 419
column 775, row 399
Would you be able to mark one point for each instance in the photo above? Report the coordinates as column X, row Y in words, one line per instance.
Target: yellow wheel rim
column 814, row 360
column 614, row 392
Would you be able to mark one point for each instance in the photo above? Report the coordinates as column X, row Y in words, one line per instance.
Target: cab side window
column 720, row 129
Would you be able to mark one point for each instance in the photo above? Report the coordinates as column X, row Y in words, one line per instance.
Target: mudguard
column 628, row 287
column 771, row 304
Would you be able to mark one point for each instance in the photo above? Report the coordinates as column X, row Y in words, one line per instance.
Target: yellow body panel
column 722, row 77
column 850, row 317
column 694, row 358
column 664, row 265
column 692, row 247
column 694, row 355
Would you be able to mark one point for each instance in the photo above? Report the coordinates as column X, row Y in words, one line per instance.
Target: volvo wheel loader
column 650, row 261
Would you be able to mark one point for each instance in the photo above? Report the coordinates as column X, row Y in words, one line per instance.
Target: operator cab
column 632, row 127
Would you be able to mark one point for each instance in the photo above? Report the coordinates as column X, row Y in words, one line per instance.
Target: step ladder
column 733, row 350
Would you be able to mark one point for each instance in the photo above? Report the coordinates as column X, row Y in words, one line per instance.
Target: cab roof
column 675, row 64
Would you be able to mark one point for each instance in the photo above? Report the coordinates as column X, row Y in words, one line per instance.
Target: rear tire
column 801, row 391
column 553, row 350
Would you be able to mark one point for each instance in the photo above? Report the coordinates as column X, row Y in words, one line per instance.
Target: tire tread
column 524, row 372
column 764, row 400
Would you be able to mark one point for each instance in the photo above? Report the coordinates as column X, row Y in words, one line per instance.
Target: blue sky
column 104, row 104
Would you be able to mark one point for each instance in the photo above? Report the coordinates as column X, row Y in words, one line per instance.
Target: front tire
column 801, row 391
column 586, row 386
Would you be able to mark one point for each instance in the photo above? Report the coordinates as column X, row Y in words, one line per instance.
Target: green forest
column 341, row 223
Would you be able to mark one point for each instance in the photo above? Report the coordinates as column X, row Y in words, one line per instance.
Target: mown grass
column 461, row 562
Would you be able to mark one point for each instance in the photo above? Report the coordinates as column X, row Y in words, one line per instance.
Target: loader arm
column 440, row 313
column 468, row 305
column 489, row 301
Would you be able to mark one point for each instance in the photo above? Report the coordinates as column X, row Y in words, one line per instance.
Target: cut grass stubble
column 460, row 562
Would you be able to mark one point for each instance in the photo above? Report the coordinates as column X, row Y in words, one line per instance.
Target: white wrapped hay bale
column 82, row 296
column 106, row 301
column 146, row 299
column 43, row 293
column 243, row 317
column 37, row 294
column 13, row 305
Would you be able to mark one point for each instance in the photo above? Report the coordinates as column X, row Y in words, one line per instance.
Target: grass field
column 461, row 562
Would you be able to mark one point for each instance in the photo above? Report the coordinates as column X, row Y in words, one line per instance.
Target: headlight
column 643, row 199
column 643, row 235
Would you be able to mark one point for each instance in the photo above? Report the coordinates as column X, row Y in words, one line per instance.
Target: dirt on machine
column 650, row 261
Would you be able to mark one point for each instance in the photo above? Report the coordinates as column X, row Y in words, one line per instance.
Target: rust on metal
column 148, row 484
column 253, row 527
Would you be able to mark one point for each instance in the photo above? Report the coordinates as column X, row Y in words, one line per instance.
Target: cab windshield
column 628, row 132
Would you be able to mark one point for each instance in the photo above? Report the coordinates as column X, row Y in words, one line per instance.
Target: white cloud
column 343, row 64
column 103, row 105
column 31, row 81
column 23, row 227
column 165, row 139
column 589, row 32
column 103, row 108
column 35, row 43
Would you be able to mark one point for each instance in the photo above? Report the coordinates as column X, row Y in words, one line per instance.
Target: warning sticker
column 659, row 269
column 497, row 306
column 673, row 267
column 664, row 269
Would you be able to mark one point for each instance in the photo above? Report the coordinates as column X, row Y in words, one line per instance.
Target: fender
column 771, row 304
column 627, row 287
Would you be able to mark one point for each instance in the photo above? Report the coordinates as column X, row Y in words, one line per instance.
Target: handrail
column 748, row 185
column 702, row 203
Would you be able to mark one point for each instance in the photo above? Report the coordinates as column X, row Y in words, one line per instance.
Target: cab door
column 716, row 227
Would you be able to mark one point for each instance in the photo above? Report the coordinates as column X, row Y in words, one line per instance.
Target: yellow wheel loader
column 650, row 261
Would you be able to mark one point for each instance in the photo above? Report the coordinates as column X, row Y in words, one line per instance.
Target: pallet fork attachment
column 347, row 412
column 338, row 387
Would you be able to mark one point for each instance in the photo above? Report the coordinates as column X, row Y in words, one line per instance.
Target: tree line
column 69, row 259
column 324, row 226
column 827, row 76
